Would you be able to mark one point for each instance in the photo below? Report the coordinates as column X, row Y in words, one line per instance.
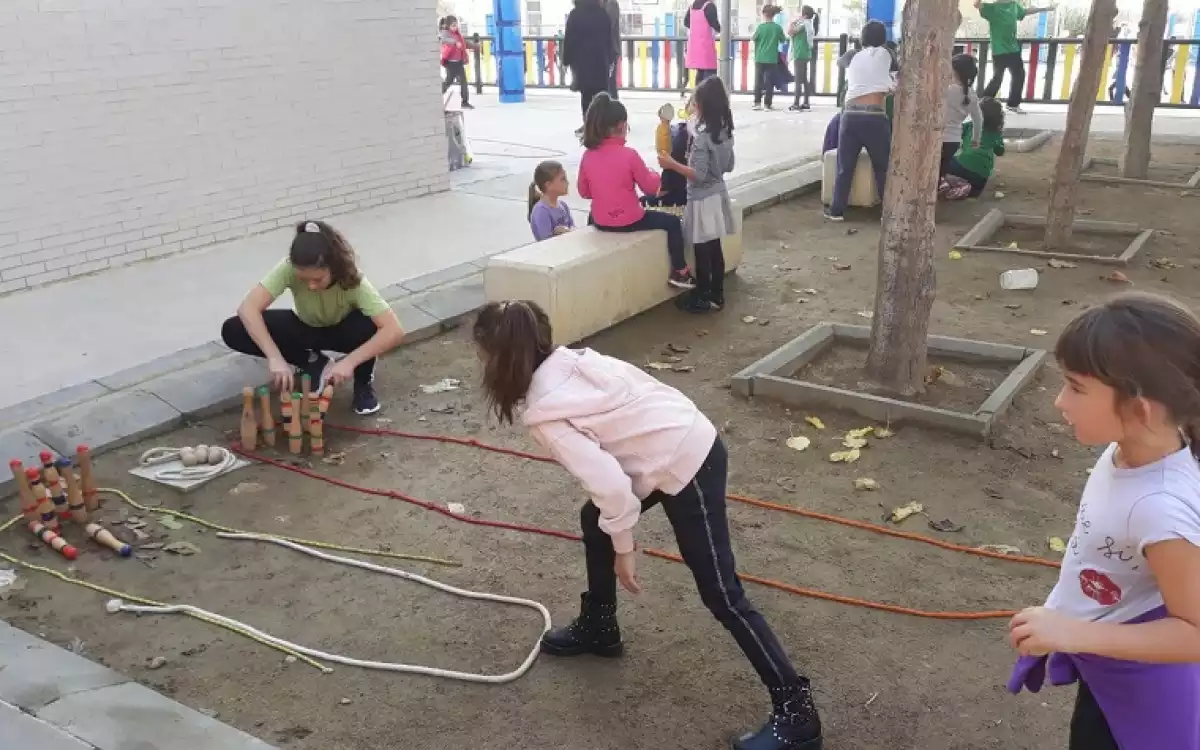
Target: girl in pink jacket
column 634, row 442
column 608, row 175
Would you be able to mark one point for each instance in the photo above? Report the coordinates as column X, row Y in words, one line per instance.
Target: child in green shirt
column 803, row 33
column 336, row 310
column 1002, row 18
column 973, row 165
column 768, row 38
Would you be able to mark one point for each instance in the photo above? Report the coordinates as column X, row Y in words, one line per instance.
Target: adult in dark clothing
column 614, row 13
column 588, row 49
column 702, row 39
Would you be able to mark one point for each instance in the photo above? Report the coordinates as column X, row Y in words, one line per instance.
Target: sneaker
column 769, row 108
column 365, row 401
column 757, row 108
column 468, row 105
column 795, row 108
column 805, row 107
column 717, row 302
column 830, row 216
column 682, row 279
column 317, row 370
column 1015, row 110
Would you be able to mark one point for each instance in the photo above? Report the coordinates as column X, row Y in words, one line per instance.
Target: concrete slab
column 193, row 355
column 131, row 716
column 20, row 731
column 451, row 304
column 418, row 325
column 24, row 447
column 441, row 277
column 209, row 387
column 768, row 191
column 35, row 673
column 107, row 423
column 50, row 403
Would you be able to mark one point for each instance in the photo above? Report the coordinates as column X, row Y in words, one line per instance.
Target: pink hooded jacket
column 607, row 175
column 622, row 433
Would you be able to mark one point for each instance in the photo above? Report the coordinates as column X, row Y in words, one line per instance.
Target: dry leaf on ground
column 845, row 457
column 860, row 432
column 1056, row 544
column 946, row 526
column 1116, row 277
column 904, row 511
column 1056, row 263
column 854, row 442
column 815, row 422
column 1003, row 549
column 657, row 366
column 865, row 483
column 749, row 318
column 955, row 255
column 1037, row 332
column 798, row 443
column 884, row 432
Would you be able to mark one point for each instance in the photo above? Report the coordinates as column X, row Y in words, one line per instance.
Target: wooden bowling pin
column 101, row 535
column 54, row 487
column 29, row 503
column 294, row 427
column 45, row 505
column 305, row 387
column 54, row 541
column 91, row 499
column 268, row 421
column 249, row 421
column 74, row 494
column 326, row 398
column 316, row 429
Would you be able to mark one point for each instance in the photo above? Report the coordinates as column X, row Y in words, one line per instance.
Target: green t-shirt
column 982, row 160
column 801, row 44
column 1002, row 21
column 767, row 38
column 327, row 307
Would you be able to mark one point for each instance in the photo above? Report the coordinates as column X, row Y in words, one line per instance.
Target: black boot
column 794, row 723
column 595, row 631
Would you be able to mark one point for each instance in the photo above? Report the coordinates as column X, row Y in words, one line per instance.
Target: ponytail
column 535, row 195
column 542, row 174
column 514, row 338
column 966, row 70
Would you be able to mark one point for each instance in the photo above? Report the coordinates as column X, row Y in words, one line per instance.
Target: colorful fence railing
column 1052, row 65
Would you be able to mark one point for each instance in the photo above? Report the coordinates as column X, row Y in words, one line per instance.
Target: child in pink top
column 634, row 442
column 609, row 174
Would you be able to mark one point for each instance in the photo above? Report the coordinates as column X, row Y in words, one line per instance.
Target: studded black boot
column 793, row 725
column 595, row 631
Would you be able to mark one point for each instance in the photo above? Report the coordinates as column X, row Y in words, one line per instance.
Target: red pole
column 666, row 63
column 1033, row 63
column 551, row 50
column 745, row 65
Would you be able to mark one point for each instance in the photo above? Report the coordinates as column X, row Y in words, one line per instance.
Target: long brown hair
column 318, row 245
column 515, row 339
column 604, row 116
column 544, row 173
column 1142, row 346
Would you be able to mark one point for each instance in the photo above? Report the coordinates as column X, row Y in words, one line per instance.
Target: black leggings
column 663, row 222
column 585, row 99
column 948, row 152
column 710, row 270
column 1089, row 728
column 457, row 72
column 297, row 340
column 698, row 516
column 801, row 71
column 1012, row 62
column 978, row 182
column 764, row 82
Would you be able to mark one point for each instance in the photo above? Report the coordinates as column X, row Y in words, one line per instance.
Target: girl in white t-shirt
column 1124, row 618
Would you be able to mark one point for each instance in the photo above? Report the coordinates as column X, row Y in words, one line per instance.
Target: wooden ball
column 188, row 457
column 215, row 454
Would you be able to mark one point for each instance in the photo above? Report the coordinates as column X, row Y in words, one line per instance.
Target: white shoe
column 1015, row 110
column 757, row 108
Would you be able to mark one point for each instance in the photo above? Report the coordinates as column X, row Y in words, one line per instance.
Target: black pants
column 457, row 72
column 764, row 82
column 1089, row 728
column 703, row 75
column 710, row 270
column 663, row 222
column 1012, row 62
column 612, row 80
column 296, row 339
column 697, row 514
column 861, row 128
column 948, row 152
column 586, row 95
column 978, row 182
column 801, row 70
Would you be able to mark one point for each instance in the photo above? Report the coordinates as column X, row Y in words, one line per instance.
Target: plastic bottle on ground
column 1020, row 278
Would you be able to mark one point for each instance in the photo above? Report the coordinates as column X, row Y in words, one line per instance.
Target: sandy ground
column 882, row 680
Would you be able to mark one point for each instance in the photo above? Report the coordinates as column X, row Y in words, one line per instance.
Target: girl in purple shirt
column 549, row 214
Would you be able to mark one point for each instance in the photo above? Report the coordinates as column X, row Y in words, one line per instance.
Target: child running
column 709, row 213
column 972, row 166
column 803, row 32
column 768, row 37
column 549, row 214
column 961, row 102
column 633, row 443
column 454, row 59
column 610, row 173
column 336, row 309
column 1124, row 619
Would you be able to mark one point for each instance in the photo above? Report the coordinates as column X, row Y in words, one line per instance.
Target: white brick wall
column 131, row 129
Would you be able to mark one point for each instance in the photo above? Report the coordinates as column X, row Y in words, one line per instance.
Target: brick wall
column 133, row 129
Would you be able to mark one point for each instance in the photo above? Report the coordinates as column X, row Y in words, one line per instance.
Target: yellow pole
column 485, row 60
column 827, row 66
column 1181, row 64
column 529, row 77
column 1069, row 53
column 1108, row 55
column 643, row 64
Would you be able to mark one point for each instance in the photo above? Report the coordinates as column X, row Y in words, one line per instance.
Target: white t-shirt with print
column 1105, row 576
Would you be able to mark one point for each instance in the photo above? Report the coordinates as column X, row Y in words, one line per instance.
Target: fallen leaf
column 1056, row 263
column 170, row 523
column 1056, row 544
column 999, row 194
column 1003, row 549
column 1012, row 246
column 865, row 314
column 181, row 548
column 247, row 488
column 336, row 458
column 861, row 432
column 845, row 457
column 749, row 318
column 884, row 433
column 993, row 493
column 701, row 331
column 854, row 442
column 1116, row 277
column 945, row 525
column 456, row 508
column 1037, row 332
column 673, row 359
column 1164, row 263
column 841, row 266
column 443, row 385
column 952, row 380
column 904, row 511
column 682, row 368
column 815, row 422
column 679, row 348
column 866, row 484
column 955, row 255
column 764, row 322
column 810, row 292
column 657, row 366
column 1013, row 306
column 798, row 443
column 152, row 546
column 851, row 231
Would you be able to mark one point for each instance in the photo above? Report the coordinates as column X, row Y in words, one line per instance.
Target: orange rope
column 662, row 555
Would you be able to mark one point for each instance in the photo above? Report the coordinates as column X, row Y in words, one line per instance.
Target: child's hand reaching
column 626, row 569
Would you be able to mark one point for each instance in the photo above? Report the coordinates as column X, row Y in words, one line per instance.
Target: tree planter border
column 1024, row 140
column 1091, row 161
column 995, row 220
column 772, row 377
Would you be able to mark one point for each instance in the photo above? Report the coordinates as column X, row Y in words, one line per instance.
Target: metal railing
column 655, row 63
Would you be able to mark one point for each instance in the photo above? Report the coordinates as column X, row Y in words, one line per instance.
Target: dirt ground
column 882, row 680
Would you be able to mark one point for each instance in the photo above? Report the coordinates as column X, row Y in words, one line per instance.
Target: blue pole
column 885, row 11
column 510, row 51
column 1043, row 32
column 1122, row 70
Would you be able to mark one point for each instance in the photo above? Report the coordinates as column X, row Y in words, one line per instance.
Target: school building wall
column 133, row 129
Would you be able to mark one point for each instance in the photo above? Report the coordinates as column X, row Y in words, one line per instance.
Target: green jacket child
column 975, row 164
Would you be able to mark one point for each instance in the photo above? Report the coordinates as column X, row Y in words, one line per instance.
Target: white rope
column 116, row 605
column 203, row 470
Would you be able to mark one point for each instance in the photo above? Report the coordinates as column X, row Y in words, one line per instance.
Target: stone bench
column 588, row 280
column 862, row 188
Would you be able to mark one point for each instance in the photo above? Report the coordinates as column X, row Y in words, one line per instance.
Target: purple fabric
column 831, row 134
column 545, row 219
column 1147, row 706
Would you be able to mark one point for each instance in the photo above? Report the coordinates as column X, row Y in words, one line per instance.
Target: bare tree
column 904, row 286
column 1147, row 89
column 1064, row 189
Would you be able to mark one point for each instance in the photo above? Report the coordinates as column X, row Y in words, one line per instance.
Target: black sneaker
column 316, row 370
column 682, row 279
column 468, row 105
column 795, row 108
column 805, row 107
column 830, row 216
column 365, row 401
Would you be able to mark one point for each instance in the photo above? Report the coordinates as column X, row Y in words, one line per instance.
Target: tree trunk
column 1147, row 89
column 905, row 278
column 1064, row 186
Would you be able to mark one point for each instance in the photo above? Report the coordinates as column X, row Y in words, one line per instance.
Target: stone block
column 35, row 673
column 441, row 277
column 163, row 365
column 51, row 403
column 209, row 387
column 775, row 186
column 418, row 324
column 20, row 731
column 863, row 191
column 107, row 423
column 132, row 716
column 450, row 304
column 24, row 447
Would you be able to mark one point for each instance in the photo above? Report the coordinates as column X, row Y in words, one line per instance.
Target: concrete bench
column 862, row 188
column 588, row 280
